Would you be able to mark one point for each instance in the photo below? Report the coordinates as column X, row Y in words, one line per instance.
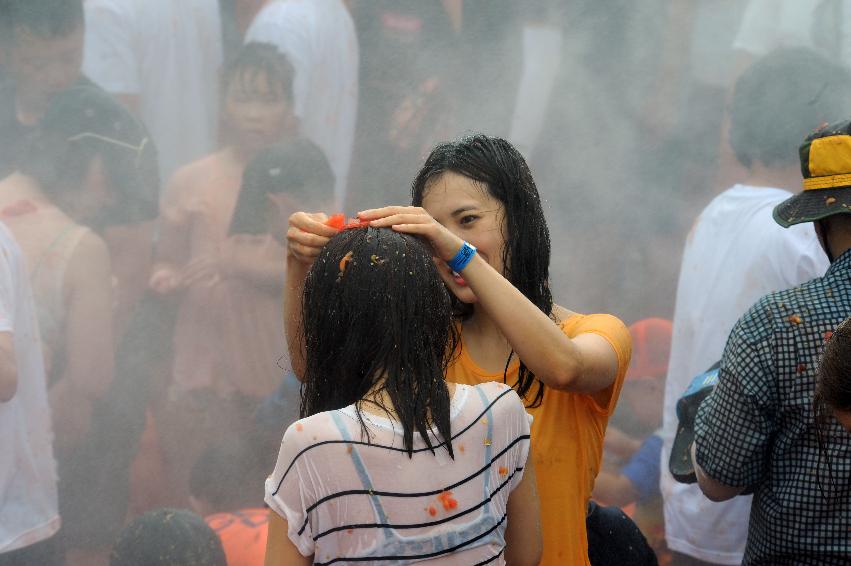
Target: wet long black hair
column 376, row 314
column 501, row 170
column 833, row 389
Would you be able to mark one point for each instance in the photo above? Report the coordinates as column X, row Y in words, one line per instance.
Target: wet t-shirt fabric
column 567, row 439
column 346, row 499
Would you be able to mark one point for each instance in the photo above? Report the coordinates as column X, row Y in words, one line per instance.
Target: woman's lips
column 458, row 279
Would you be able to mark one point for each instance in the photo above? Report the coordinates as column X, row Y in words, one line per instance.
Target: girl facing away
column 478, row 192
column 390, row 463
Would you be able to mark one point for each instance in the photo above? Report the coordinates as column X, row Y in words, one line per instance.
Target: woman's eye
column 467, row 219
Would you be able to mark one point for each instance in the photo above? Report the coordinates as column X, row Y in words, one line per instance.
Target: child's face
column 257, row 112
column 44, row 66
column 470, row 212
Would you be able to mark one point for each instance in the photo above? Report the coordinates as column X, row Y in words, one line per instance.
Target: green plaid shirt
column 757, row 429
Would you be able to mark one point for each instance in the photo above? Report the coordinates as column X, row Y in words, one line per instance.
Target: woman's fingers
column 402, row 218
column 312, row 223
column 376, row 213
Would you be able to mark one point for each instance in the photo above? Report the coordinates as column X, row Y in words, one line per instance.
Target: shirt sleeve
column 735, row 424
column 7, row 294
column 521, row 426
column 109, row 58
column 286, row 492
column 615, row 332
column 643, row 468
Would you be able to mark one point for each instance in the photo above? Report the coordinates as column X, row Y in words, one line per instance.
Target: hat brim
column 680, row 463
column 809, row 206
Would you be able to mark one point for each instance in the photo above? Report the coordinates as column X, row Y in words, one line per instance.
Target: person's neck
column 483, row 330
column 786, row 177
column 840, row 242
column 239, row 156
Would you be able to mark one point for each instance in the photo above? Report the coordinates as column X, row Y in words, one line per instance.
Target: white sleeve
column 109, row 58
column 800, row 256
column 286, row 493
column 769, row 24
column 518, row 425
column 7, row 294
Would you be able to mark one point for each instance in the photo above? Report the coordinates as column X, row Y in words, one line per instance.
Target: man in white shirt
column 29, row 515
column 318, row 38
column 162, row 58
column 735, row 254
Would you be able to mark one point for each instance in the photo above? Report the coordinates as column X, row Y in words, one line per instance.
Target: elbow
column 566, row 375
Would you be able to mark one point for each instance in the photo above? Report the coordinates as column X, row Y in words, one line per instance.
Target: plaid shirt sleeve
column 734, row 426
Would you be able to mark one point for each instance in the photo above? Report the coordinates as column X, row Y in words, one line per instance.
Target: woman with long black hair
column 476, row 203
column 391, row 462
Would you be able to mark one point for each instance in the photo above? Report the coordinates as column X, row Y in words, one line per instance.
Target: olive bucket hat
column 826, row 168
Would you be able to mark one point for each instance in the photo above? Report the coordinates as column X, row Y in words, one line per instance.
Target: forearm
column 293, row 289
column 712, row 488
column 534, row 337
column 614, row 489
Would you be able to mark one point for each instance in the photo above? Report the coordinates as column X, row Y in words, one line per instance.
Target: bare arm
column 614, row 489
column 88, row 336
column 523, row 543
column 306, row 236
column 712, row 488
column 8, row 367
column 279, row 548
column 172, row 249
column 586, row 364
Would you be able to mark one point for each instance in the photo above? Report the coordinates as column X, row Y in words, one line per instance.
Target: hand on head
column 415, row 220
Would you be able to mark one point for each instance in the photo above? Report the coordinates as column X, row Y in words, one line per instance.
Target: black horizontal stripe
column 420, row 525
column 415, row 556
column 373, row 492
column 393, row 448
column 491, row 559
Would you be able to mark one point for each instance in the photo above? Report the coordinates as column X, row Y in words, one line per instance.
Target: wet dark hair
column 780, row 99
column 833, row 389
column 46, row 18
column 84, row 122
column 375, row 307
column 256, row 58
column 298, row 168
column 500, row 169
column 167, row 537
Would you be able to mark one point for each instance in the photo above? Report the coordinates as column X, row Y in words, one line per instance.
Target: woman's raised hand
column 415, row 220
column 307, row 235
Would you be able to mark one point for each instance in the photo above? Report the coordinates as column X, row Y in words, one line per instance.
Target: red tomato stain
column 503, row 471
column 299, row 427
column 432, row 511
column 447, row 500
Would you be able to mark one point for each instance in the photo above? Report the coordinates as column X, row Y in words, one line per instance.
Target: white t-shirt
column 344, row 498
column 735, row 254
column 29, row 511
column 770, row 24
column 169, row 54
column 318, row 38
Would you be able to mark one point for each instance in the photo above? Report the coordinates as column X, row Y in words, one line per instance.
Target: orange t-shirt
column 243, row 535
column 567, row 440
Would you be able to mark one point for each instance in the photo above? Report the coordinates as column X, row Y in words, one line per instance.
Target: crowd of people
column 255, row 308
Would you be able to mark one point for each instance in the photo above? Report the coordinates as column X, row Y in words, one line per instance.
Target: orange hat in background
column 651, row 349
